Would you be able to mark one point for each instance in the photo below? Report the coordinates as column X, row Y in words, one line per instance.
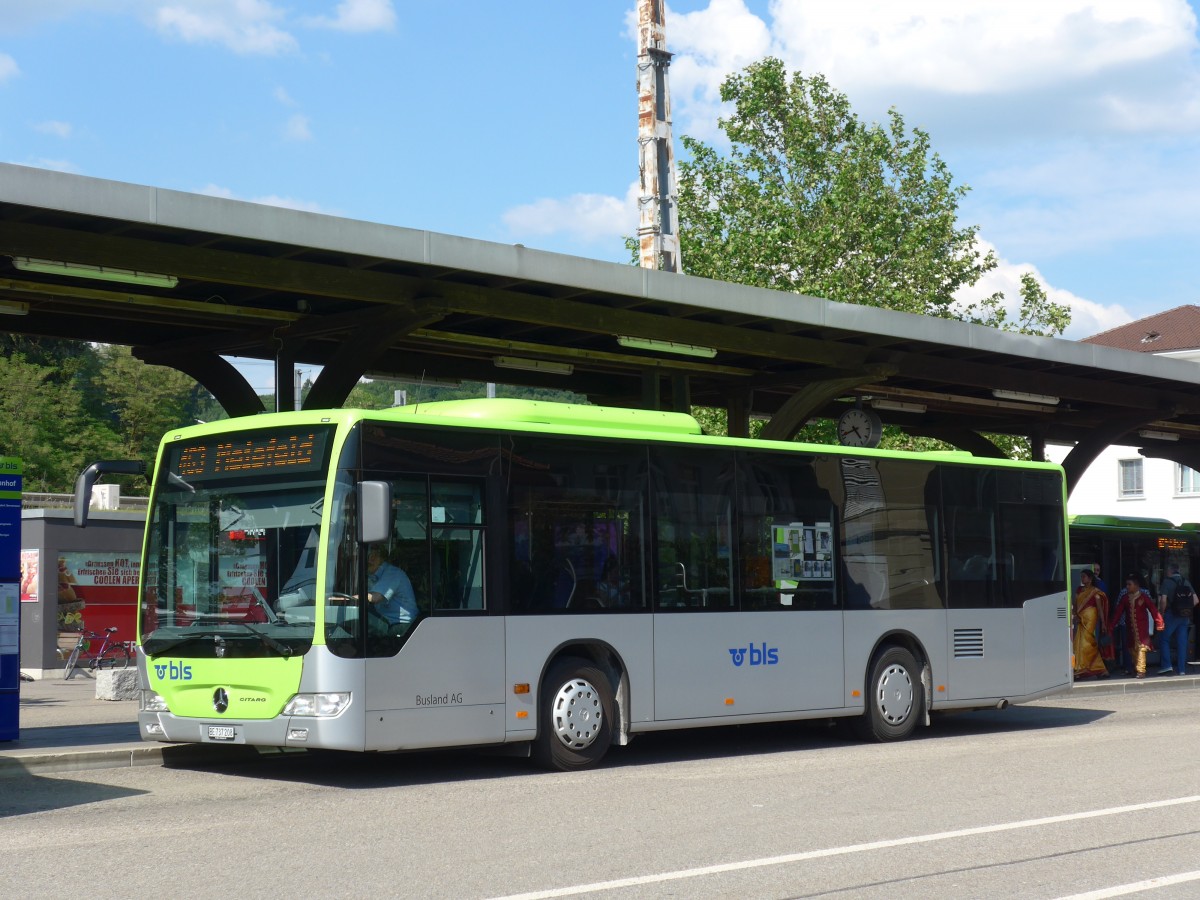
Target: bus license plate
column 221, row 733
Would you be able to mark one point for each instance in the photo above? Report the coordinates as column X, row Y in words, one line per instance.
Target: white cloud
column 358, row 16
column 8, row 68
column 979, row 47
column 284, row 97
column 51, row 127
column 1066, row 65
column 591, row 218
column 248, row 27
column 297, row 129
column 1087, row 316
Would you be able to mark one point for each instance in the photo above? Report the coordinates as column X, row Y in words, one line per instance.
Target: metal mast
column 658, row 225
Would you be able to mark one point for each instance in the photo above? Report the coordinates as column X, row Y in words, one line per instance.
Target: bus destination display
column 246, row 455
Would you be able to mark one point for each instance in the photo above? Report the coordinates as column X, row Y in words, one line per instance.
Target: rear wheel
column 895, row 697
column 575, row 728
column 115, row 656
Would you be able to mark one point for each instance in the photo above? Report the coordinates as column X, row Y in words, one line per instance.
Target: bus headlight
column 321, row 706
column 152, row 702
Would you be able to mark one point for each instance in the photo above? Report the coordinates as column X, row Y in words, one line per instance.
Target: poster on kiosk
column 10, row 576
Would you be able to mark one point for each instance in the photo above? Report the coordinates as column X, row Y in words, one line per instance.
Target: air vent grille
column 968, row 643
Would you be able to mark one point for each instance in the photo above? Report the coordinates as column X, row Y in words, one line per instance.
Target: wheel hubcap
column 895, row 694
column 577, row 714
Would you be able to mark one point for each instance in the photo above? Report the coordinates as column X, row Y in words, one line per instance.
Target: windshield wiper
column 270, row 642
column 162, row 645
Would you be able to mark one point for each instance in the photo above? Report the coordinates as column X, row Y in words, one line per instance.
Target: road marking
column 680, row 874
column 1136, row 887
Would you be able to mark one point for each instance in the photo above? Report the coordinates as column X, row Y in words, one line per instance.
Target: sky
column 1075, row 123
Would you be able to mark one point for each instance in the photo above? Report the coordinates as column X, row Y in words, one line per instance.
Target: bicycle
column 111, row 655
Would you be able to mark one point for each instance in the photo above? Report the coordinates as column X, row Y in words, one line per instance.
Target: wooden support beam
column 800, row 407
column 216, row 375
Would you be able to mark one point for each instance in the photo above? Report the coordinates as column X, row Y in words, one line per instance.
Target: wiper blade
column 279, row 647
column 155, row 646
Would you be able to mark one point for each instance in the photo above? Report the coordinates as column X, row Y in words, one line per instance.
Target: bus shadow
column 357, row 771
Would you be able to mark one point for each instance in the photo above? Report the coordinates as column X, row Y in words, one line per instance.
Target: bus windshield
column 231, row 567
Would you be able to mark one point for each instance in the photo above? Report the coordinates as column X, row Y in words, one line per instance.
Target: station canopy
column 185, row 279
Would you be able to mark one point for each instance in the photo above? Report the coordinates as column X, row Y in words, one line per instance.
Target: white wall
column 1098, row 492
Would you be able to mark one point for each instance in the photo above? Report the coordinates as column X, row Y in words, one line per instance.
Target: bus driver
column 389, row 589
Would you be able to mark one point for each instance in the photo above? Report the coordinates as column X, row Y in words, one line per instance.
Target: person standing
column 1091, row 612
column 1176, row 601
column 1141, row 611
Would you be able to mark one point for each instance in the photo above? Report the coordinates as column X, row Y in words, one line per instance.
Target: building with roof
column 1122, row 481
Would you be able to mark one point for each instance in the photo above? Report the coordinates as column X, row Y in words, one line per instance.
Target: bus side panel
column 1047, row 643
column 763, row 662
column 444, row 688
column 864, row 629
column 532, row 639
column 987, row 654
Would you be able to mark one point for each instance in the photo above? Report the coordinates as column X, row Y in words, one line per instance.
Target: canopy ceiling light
column 13, row 308
column 1022, row 397
column 1159, row 435
column 99, row 273
column 899, row 406
column 637, row 343
column 533, row 365
column 418, row 380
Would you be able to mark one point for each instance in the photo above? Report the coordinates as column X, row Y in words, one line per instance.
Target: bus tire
column 895, row 697
column 576, row 716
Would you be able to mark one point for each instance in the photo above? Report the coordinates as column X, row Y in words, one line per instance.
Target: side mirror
column 86, row 480
column 374, row 511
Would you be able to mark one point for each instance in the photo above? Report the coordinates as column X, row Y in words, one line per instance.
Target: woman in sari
column 1091, row 612
column 1142, row 610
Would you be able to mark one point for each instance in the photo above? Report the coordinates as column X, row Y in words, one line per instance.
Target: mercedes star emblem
column 220, row 700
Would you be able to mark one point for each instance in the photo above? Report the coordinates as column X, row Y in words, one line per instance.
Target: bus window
column 889, row 553
column 693, row 529
column 1032, row 561
column 972, row 542
column 787, row 534
column 575, row 526
column 456, row 561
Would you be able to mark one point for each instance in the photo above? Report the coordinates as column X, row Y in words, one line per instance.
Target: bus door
column 435, row 658
column 746, row 621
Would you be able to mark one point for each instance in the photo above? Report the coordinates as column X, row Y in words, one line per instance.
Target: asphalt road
column 1055, row 799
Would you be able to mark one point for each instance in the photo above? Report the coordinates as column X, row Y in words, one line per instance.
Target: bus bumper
column 336, row 733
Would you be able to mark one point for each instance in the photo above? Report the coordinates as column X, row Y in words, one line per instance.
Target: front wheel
column 895, row 697
column 576, row 716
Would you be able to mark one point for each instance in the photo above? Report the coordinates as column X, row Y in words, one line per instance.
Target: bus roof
column 541, row 412
column 1125, row 523
column 574, row 419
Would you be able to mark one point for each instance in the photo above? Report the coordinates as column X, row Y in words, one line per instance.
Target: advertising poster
column 97, row 591
column 31, row 565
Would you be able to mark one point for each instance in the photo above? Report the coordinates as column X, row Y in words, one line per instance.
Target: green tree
column 43, row 421
column 811, row 199
column 143, row 402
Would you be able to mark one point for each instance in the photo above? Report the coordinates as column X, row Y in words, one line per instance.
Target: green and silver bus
column 578, row 575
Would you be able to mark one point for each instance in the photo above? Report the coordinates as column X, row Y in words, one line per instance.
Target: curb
column 1137, row 686
column 167, row 755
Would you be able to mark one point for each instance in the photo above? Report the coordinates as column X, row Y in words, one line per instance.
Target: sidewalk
column 64, row 728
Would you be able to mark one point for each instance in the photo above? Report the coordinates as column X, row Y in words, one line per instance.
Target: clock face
column 859, row 428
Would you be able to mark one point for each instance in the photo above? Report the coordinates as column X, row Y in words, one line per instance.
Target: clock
column 859, row 428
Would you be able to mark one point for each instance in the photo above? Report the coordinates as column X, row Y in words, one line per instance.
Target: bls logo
column 173, row 671
column 759, row 656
